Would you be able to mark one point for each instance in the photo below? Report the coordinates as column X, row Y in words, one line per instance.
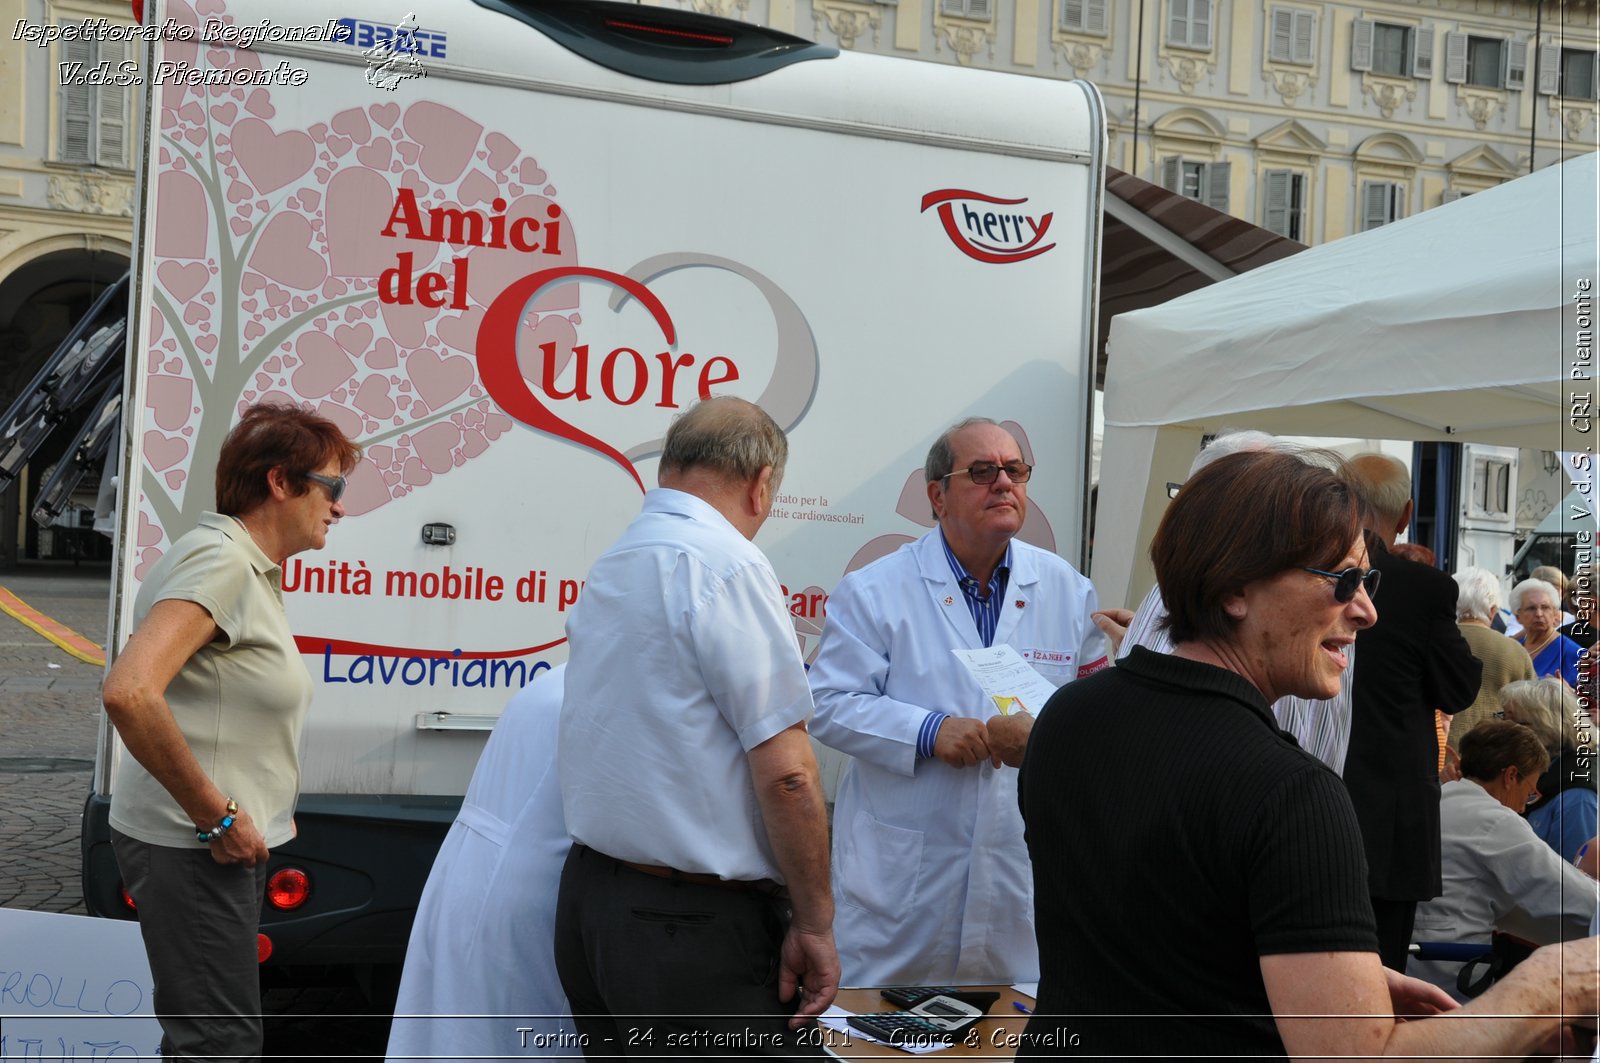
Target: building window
column 1189, row 23
column 1487, row 62
column 1294, row 35
column 94, row 118
column 1084, row 16
column 1577, row 75
column 1205, row 181
column 1382, row 202
column 982, row 10
column 1391, row 50
column 1285, row 211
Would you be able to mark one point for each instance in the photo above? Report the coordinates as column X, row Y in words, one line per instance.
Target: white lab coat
column 483, row 942
column 931, row 878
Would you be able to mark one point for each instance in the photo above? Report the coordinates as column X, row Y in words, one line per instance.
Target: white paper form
column 1008, row 680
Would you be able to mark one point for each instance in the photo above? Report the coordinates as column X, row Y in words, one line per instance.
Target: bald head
column 1384, row 485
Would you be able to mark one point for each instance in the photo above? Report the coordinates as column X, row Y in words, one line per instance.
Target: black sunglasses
column 1346, row 582
column 334, row 484
column 987, row 472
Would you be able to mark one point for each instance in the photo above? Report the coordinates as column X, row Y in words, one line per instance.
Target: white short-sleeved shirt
column 682, row 659
column 240, row 701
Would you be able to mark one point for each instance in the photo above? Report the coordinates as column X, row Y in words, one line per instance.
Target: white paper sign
column 74, row 988
column 1008, row 680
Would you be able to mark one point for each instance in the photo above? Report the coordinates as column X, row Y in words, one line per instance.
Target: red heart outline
column 497, row 353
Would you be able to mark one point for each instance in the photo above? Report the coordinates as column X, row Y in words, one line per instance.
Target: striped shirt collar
column 985, row 607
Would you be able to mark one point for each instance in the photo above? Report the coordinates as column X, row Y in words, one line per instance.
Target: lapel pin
column 1021, row 603
column 948, row 600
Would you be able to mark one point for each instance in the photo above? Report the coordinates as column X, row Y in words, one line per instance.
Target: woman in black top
column 1207, row 901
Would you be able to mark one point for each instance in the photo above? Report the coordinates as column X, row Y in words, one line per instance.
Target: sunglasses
column 1347, row 582
column 334, row 484
column 987, row 472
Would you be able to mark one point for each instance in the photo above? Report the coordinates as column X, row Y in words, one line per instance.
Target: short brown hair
column 271, row 437
column 1495, row 745
column 1246, row 517
column 730, row 435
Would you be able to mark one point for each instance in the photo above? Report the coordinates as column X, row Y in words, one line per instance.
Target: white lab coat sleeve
column 848, row 678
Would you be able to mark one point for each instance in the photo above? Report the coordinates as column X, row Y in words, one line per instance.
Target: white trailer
column 502, row 248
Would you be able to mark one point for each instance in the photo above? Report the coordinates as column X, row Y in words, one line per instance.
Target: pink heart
column 148, row 534
column 348, row 420
column 502, row 152
column 248, row 305
column 206, row 343
column 318, row 132
column 182, row 282
column 529, row 173
column 376, row 154
column 253, row 330
column 439, row 380
column 478, row 187
column 434, row 445
column 310, row 197
column 338, row 145
column 353, row 124
column 170, row 398
column 194, row 135
column 238, row 192
column 271, row 160
column 273, row 364
column 260, row 104
column 446, row 136
column 239, row 226
column 211, row 7
column 354, row 338
column 384, row 355
column 163, row 452
column 461, row 332
column 334, row 288
column 174, row 365
column 195, row 314
column 225, row 112
column 323, row 366
column 373, row 398
column 175, row 478
column 209, row 298
column 359, row 205
column 276, row 296
column 191, row 112
column 157, row 325
column 408, row 151
column 385, row 114
column 415, row 473
column 251, row 283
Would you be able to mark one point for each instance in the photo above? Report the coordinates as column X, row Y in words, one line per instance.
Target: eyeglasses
column 334, row 484
column 987, row 472
column 1346, row 582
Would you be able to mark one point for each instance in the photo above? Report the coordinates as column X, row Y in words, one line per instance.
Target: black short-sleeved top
column 1178, row 835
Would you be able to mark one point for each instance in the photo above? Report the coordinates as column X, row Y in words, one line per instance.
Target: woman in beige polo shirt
column 209, row 696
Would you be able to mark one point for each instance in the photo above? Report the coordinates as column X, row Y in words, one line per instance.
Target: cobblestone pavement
column 49, row 726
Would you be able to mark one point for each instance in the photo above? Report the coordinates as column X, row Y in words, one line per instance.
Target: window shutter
column 1282, row 35
column 1172, row 173
column 1200, row 23
column 1177, row 21
column 77, row 104
column 1455, row 58
column 1375, row 200
column 1216, row 185
column 1516, row 64
column 979, row 9
column 111, row 148
column 953, row 7
column 1361, row 44
column 1276, row 214
column 1072, row 14
column 1094, row 16
column 1305, row 36
column 1549, row 70
column 1450, row 195
column 1421, row 40
column 1594, row 76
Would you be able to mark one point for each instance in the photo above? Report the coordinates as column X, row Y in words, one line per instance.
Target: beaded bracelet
column 221, row 828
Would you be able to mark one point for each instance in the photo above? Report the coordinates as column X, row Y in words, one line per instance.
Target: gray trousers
column 199, row 921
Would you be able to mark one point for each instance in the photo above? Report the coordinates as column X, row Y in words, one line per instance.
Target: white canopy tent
column 1465, row 323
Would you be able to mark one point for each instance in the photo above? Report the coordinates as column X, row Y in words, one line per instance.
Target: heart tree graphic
column 268, row 256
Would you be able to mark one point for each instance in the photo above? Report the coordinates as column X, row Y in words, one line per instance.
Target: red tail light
column 263, row 948
column 127, row 898
column 288, row 888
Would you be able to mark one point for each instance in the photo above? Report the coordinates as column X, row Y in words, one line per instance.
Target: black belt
column 763, row 886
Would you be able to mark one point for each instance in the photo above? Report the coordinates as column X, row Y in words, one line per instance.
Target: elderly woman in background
column 1564, row 811
column 1214, row 902
column 1495, row 867
column 1537, row 605
column 1504, row 659
column 209, row 696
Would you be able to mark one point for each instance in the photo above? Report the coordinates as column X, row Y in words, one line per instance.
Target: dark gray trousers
column 654, row 967
column 199, row 921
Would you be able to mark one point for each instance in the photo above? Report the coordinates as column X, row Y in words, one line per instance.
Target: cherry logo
column 974, row 225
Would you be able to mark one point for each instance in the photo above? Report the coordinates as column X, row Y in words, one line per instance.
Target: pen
column 1020, row 1006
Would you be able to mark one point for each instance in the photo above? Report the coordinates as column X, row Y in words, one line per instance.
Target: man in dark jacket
column 1411, row 662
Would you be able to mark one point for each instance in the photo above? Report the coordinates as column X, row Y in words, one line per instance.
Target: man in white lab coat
column 932, row 883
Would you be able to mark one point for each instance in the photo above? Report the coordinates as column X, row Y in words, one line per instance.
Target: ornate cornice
column 848, row 21
column 88, row 193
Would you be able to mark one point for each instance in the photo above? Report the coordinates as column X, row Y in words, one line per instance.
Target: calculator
column 909, row 996
column 939, row 1018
